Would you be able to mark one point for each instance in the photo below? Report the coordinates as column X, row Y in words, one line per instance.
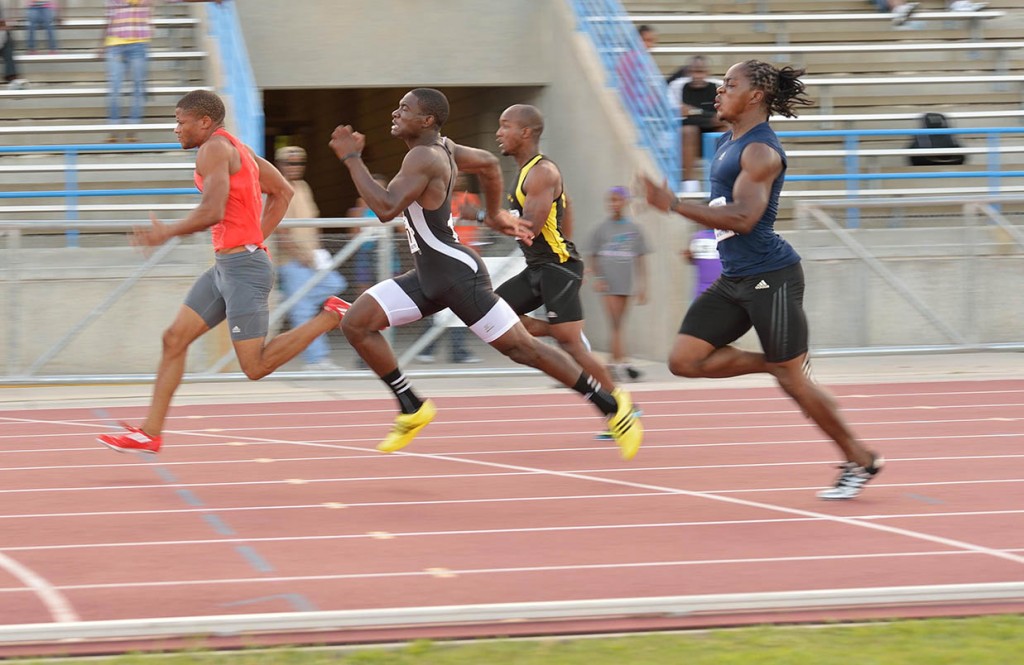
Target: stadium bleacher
column 64, row 105
column 865, row 74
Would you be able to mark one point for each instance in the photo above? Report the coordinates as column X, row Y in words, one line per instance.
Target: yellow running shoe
column 625, row 426
column 407, row 426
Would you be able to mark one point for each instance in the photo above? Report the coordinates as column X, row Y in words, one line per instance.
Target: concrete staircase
column 65, row 103
column 912, row 98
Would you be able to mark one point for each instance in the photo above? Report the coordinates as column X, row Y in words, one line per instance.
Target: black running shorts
column 772, row 302
column 554, row 285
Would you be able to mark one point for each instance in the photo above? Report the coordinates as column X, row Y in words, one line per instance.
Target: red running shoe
column 132, row 438
column 336, row 305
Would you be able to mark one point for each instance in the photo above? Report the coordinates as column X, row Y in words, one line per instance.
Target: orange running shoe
column 132, row 438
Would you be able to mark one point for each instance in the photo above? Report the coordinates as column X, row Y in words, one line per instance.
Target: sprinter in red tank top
column 232, row 179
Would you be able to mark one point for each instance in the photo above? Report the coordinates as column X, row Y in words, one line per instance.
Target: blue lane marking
column 219, row 525
column 297, row 600
column 926, row 499
column 165, row 474
column 189, row 497
column 254, row 559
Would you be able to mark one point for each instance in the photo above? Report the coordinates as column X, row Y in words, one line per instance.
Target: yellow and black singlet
column 551, row 246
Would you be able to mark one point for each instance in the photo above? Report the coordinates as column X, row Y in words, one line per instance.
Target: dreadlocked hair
column 782, row 88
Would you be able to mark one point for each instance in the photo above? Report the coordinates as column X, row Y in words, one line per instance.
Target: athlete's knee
column 254, row 372
column 536, row 327
column 175, row 341
column 793, row 381
column 523, row 352
column 687, row 367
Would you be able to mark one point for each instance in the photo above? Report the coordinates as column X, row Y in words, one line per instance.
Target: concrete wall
column 48, row 291
column 403, row 43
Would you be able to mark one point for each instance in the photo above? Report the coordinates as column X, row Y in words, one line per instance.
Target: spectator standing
column 7, row 52
column 42, row 15
column 300, row 256
column 126, row 42
column 702, row 253
column 618, row 247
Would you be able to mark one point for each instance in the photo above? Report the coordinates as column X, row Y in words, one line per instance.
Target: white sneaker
column 852, row 479
column 901, row 14
column 426, row 358
column 966, row 6
column 17, row 84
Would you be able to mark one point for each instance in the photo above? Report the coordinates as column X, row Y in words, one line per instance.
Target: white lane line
column 495, row 423
column 507, row 570
column 481, row 532
column 604, row 448
column 579, row 475
column 907, row 533
column 549, row 404
column 685, row 467
column 52, row 599
column 364, row 504
column 389, row 412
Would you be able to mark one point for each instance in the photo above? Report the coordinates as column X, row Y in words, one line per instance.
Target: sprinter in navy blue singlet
column 762, row 282
column 447, row 273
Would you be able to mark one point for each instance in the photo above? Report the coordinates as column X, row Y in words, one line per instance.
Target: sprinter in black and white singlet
column 446, row 273
column 762, row 282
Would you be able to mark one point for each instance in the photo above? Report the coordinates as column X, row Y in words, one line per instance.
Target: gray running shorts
column 236, row 287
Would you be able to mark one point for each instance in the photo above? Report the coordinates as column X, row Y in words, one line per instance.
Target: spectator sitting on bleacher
column 903, row 10
column 126, row 42
column 7, row 51
column 693, row 95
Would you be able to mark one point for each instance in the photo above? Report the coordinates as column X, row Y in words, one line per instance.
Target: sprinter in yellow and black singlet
column 554, row 270
column 551, row 245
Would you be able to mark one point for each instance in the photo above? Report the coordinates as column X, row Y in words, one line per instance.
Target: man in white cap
column 299, row 256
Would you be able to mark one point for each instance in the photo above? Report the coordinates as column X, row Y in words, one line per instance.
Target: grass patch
column 996, row 640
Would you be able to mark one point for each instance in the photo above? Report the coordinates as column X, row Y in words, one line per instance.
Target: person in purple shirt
column 762, row 282
column 702, row 253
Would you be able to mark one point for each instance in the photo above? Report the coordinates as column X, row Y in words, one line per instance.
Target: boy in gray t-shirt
column 617, row 248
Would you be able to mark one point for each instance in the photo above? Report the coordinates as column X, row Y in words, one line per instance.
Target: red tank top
column 244, row 210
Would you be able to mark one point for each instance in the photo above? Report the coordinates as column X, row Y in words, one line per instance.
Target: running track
column 286, row 508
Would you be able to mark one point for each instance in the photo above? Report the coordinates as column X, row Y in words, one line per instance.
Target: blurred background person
column 618, row 247
column 300, row 256
column 7, row 52
column 702, row 253
column 42, row 15
column 126, row 42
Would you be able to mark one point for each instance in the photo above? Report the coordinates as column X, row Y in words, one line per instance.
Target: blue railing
column 72, row 193
column 852, row 174
column 238, row 82
column 630, row 69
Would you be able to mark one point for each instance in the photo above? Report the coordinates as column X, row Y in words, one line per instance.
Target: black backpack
column 935, row 121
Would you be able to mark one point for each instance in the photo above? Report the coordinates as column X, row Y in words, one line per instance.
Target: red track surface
column 283, row 507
